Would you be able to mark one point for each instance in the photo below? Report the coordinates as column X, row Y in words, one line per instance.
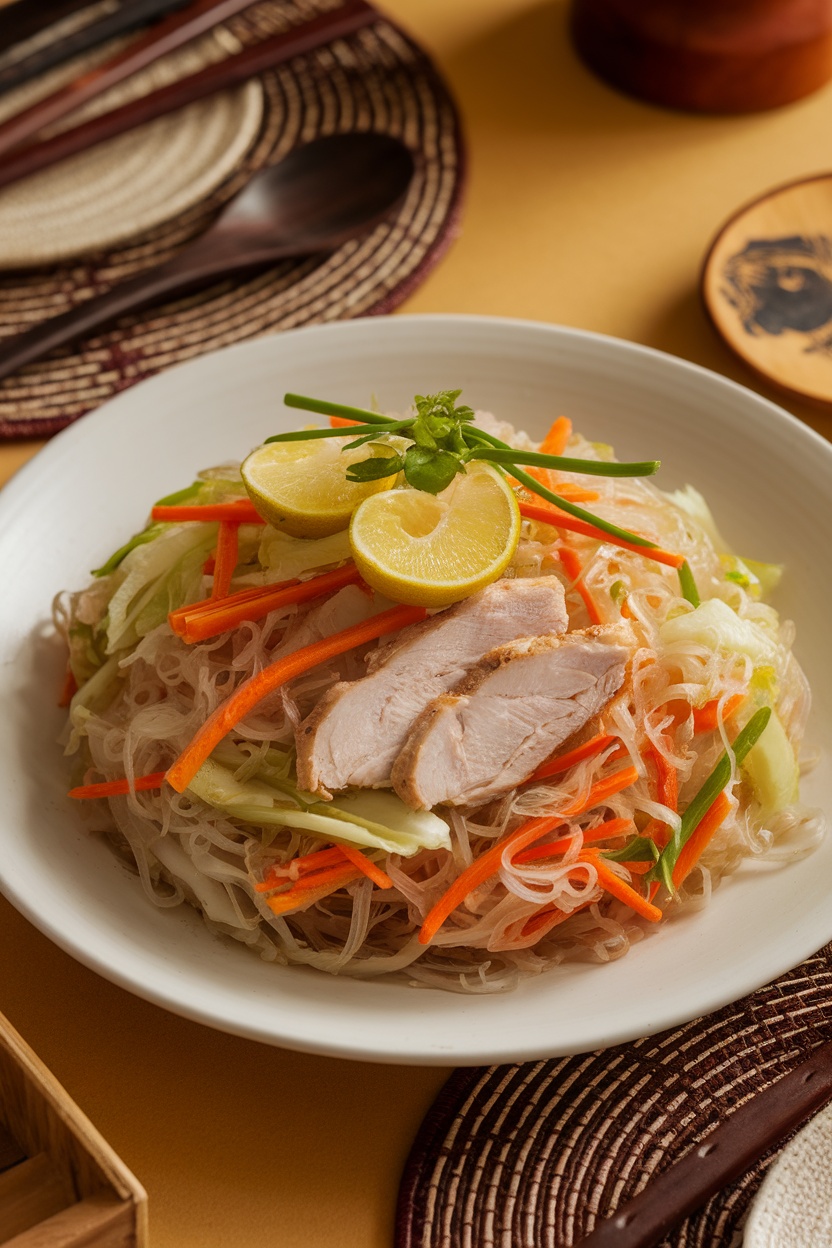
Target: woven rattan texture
column 530, row 1156
column 378, row 79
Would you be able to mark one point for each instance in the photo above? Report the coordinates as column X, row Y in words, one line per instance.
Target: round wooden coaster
column 378, row 79
column 767, row 287
column 534, row 1155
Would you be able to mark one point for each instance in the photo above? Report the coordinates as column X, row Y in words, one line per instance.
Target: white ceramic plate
column 770, row 482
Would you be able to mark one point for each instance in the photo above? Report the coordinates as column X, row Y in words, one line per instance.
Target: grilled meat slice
column 359, row 727
column 509, row 714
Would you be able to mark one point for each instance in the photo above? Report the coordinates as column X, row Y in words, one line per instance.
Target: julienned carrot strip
column 698, row 841
column 119, row 788
column 570, row 490
column 555, row 444
column 604, row 832
column 595, row 745
column 380, row 878
column 341, row 422
column 305, row 894
column 559, row 520
column 603, row 789
column 321, row 875
column 225, row 560
column 549, row 917
column 304, row 865
column 705, row 718
column 574, row 570
column 68, row 689
column 656, row 830
column 244, row 595
column 667, row 780
column 259, row 686
column 481, row 869
column 207, row 606
column 241, row 512
column 488, row 864
column 213, row 616
column 318, row 867
column 557, row 438
column 667, row 792
column 616, row 887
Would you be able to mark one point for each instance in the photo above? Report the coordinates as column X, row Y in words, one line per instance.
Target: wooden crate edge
column 105, row 1160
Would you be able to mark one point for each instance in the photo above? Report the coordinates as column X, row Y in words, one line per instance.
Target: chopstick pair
column 177, row 29
column 129, row 16
column 18, row 162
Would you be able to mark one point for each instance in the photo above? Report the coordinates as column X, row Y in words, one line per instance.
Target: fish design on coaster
column 766, row 285
column 784, row 285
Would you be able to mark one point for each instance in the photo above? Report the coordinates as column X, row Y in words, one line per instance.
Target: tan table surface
column 584, row 208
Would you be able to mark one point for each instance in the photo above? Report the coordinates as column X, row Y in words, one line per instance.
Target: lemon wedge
column 431, row 550
column 301, row 487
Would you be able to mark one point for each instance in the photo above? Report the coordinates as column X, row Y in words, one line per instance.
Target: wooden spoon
column 315, row 199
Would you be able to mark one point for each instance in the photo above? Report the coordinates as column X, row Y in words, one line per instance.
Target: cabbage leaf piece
column 715, row 626
column 369, row 818
column 759, row 579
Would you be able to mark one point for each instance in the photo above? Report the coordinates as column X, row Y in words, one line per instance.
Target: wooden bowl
column 713, row 56
column 767, row 287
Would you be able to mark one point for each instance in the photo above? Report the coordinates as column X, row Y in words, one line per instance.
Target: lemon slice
column 302, row 488
column 429, row 551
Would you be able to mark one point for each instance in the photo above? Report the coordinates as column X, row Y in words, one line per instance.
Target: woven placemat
column 135, row 182
column 531, row 1156
column 378, row 79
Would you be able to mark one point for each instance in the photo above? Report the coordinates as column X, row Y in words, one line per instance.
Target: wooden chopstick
column 328, row 26
column 24, row 18
column 721, row 1157
column 127, row 18
column 180, row 28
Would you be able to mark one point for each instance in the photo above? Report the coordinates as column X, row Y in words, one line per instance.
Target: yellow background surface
column 584, row 208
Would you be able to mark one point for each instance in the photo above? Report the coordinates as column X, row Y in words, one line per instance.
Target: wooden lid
column 767, row 287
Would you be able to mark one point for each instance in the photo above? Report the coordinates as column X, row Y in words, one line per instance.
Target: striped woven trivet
column 530, row 1156
column 377, row 79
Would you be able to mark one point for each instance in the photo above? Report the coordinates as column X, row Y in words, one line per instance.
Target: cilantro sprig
column 443, row 440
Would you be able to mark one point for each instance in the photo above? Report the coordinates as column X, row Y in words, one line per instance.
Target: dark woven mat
column 531, row 1156
column 377, row 79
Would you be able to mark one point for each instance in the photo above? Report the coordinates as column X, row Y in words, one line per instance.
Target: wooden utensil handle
column 195, row 266
column 179, row 28
column 24, row 18
column 333, row 24
column 123, row 21
column 720, row 1158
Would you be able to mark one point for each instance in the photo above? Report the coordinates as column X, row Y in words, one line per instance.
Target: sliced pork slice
column 508, row 715
column 359, row 727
